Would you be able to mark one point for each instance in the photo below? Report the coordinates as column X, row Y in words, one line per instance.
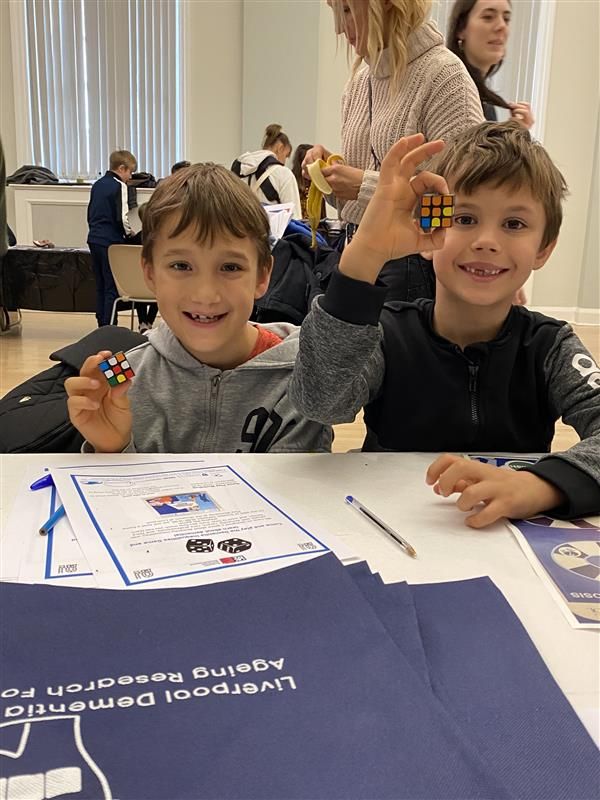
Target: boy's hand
column 98, row 411
column 388, row 228
column 503, row 492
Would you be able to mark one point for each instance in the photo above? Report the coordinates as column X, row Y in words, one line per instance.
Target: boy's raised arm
column 340, row 365
column 388, row 229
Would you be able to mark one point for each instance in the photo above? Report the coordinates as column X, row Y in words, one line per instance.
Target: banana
column 318, row 187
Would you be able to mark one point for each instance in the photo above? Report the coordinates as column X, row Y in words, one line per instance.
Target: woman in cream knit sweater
column 404, row 81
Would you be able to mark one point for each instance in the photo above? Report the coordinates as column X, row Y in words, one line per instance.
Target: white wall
column 589, row 288
column 281, row 46
column 570, row 137
column 253, row 62
column 213, row 79
column 334, row 70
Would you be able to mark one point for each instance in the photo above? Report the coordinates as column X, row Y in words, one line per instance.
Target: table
column 312, row 487
column 48, row 279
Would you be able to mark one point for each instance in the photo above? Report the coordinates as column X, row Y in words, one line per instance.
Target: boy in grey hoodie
column 207, row 380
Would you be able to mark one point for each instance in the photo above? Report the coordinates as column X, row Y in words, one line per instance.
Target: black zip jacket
column 421, row 392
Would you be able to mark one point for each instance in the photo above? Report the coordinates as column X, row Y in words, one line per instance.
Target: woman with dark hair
column 477, row 33
column 301, row 180
column 265, row 171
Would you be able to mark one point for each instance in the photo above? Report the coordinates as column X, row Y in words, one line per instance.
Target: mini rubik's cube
column 436, row 211
column 116, row 369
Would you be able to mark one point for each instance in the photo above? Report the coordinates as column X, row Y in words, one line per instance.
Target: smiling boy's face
column 493, row 246
column 206, row 292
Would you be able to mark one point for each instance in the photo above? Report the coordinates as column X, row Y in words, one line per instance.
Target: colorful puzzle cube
column 234, row 545
column 116, row 369
column 436, row 211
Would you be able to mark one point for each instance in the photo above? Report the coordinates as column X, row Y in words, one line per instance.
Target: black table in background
column 53, row 279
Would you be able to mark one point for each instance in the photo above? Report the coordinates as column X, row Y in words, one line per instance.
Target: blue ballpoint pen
column 43, row 483
column 382, row 525
column 47, row 526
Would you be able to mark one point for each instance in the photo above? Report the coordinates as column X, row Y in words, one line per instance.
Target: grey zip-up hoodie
column 180, row 405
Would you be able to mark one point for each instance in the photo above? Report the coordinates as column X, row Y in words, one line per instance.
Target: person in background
column 477, row 33
column 3, row 227
column 146, row 312
column 404, row 81
column 302, row 181
column 108, row 223
column 179, row 165
column 265, row 171
column 3, row 222
column 10, row 318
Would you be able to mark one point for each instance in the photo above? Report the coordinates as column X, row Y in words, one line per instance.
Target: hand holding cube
column 98, row 403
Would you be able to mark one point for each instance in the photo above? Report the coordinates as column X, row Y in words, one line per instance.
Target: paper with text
column 141, row 524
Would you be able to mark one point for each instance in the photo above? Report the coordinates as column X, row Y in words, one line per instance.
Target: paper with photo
column 566, row 556
column 192, row 523
column 514, row 461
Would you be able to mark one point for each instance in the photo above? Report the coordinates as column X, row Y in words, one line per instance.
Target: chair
column 126, row 267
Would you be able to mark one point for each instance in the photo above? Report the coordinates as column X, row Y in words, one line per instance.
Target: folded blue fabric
column 491, row 678
column 393, row 603
column 282, row 686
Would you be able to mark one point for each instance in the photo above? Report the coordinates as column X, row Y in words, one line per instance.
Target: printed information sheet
column 30, row 558
column 566, row 555
column 513, row 461
column 141, row 524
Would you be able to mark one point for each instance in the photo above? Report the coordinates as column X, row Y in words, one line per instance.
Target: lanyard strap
column 373, row 153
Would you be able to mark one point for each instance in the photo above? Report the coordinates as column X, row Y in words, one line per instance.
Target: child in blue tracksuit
column 109, row 224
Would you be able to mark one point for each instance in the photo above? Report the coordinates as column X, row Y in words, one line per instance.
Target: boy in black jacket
column 468, row 371
column 108, row 222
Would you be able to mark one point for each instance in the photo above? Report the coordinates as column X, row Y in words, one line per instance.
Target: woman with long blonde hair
column 404, row 81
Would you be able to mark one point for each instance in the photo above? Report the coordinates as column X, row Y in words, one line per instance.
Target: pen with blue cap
column 382, row 525
column 43, row 483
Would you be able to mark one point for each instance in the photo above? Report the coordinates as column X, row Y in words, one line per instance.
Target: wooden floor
column 25, row 352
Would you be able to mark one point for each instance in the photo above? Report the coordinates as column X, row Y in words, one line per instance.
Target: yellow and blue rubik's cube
column 436, row 211
column 116, row 369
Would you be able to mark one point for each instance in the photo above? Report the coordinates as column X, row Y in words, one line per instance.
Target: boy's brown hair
column 121, row 158
column 212, row 200
column 503, row 154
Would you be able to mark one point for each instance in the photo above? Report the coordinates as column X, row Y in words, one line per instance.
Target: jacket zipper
column 473, row 370
column 214, row 394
